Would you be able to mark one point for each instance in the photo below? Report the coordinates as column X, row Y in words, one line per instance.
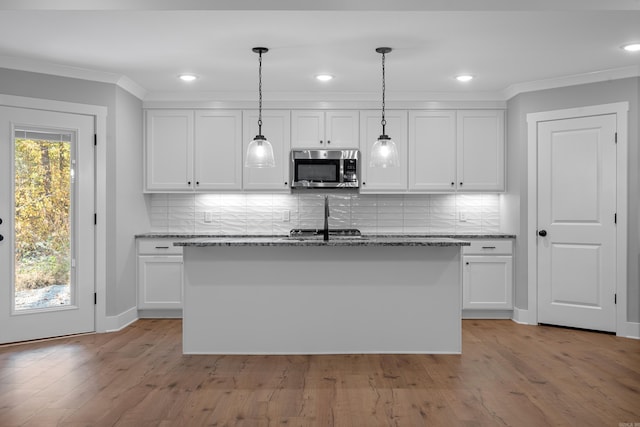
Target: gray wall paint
column 516, row 198
column 131, row 206
column 123, row 140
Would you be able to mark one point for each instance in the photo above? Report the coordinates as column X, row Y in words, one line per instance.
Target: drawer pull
column 162, row 247
column 488, row 247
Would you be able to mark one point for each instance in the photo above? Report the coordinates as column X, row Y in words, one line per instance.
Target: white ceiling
column 503, row 48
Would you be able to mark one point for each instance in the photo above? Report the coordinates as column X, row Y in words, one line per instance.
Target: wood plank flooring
column 508, row 374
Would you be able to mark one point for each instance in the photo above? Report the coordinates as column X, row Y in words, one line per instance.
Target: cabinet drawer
column 488, row 247
column 158, row 247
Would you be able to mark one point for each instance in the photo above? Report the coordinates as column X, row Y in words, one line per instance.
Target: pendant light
column 384, row 152
column 260, row 151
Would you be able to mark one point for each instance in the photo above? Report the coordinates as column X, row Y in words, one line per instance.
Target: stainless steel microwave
column 325, row 169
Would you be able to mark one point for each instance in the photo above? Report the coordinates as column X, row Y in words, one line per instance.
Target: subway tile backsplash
column 266, row 213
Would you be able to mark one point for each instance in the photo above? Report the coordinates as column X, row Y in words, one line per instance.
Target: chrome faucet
column 325, row 231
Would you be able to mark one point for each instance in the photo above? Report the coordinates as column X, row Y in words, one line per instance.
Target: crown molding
column 41, row 67
column 573, row 80
column 314, row 5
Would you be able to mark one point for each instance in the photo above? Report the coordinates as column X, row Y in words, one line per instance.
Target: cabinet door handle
column 188, row 182
column 320, row 142
column 162, row 247
column 467, row 262
column 328, row 142
column 488, row 247
column 460, row 184
column 453, row 183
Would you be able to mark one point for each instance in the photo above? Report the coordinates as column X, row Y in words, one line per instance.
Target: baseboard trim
column 121, row 321
column 486, row 314
column 630, row 330
column 160, row 314
column 520, row 316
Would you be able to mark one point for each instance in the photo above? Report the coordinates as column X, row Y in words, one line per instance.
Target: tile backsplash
column 267, row 213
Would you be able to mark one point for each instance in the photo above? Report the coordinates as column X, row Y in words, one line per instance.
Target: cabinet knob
column 328, row 142
column 0, row 220
column 197, row 182
column 460, row 184
column 320, row 142
column 364, row 183
column 188, row 182
column 467, row 262
column 453, row 183
column 542, row 233
column 1, row 237
column 285, row 183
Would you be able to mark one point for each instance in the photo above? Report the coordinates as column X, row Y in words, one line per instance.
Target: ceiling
column 149, row 47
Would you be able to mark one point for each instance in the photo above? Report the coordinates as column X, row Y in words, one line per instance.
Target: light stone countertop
column 340, row 241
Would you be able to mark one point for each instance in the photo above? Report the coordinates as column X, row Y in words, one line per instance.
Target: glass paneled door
column 46, row 207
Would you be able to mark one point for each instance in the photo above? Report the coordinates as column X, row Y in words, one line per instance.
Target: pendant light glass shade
column 260, row 151
column 384, row 152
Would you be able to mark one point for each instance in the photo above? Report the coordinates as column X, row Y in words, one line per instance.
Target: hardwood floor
column 508, row 374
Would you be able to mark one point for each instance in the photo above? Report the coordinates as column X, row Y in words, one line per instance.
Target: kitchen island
column 280, row 295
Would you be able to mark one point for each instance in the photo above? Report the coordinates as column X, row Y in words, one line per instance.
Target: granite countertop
column 178, row 235
column 293, row 241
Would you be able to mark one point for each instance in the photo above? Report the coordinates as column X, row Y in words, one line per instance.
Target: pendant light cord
column 383, row 122
column 260, row 93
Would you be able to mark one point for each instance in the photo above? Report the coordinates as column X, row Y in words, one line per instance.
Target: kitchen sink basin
column 317, row 234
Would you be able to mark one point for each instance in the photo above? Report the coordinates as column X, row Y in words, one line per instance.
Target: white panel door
column 342, row 129
column 47, row 189
column 307, row 129
column 276, row 127
column 383, row 180
column 432, row 151
column 218, row 150
column 169, row 150
column 480, row 135
column 576, row 208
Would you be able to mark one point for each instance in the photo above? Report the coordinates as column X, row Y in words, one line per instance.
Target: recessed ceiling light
column 464, row 77
column 187, row 77
column 632, row 47
column 324, row 77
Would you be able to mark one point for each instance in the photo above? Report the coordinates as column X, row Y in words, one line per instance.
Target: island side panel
column 322, row 300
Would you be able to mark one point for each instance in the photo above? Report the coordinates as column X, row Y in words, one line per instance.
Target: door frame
column 99, row 114
column 621, row 110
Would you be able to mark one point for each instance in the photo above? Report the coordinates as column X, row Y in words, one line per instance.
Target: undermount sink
column 317, row 234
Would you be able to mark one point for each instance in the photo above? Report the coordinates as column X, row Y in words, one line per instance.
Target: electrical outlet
column 207, row 217
column 286, row 215
column 462, row 216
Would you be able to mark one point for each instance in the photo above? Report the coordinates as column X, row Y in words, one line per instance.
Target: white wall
column 124, row 181
column 515, row 201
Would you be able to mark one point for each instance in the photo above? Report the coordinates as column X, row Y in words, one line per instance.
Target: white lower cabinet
column 487, row 277
column 159, row 275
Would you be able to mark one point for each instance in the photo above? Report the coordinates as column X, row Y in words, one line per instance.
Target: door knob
column 542, row 233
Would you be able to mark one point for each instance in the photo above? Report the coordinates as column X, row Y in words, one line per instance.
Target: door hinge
column 95, row 139
column 615, row 298
column 95, row 219
column 615, row 218
column 95, row 298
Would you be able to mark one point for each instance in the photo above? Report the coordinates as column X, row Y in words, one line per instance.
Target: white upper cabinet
column 480, row 136
column 187, row 150
column 276, row 127
column 324, row 129
column 169, row 150
column 432, row 151
column 218, row 150
column 383, row 180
